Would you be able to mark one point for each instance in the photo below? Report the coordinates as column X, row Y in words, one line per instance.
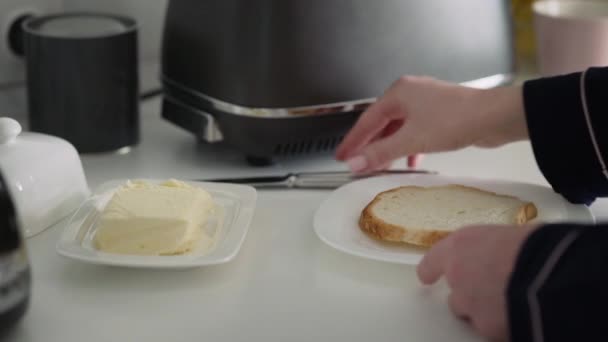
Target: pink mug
column 570, row 35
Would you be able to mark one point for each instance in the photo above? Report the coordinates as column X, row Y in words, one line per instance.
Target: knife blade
column 311, row 180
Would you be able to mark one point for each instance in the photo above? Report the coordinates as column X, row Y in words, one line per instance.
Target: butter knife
column 312, row 180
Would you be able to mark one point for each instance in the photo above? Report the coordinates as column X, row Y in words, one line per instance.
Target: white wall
column 11, row 66
column 148, row 13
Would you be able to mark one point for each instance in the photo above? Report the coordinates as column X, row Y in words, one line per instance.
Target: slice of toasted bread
column 424, row 215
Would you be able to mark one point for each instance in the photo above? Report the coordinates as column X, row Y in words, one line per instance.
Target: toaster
column 284, row 77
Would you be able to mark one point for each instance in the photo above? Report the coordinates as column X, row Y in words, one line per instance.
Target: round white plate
column 236, row 204
column 335, row 221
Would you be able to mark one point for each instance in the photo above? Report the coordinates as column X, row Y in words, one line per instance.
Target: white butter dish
column 44, row 175
column 235, row 207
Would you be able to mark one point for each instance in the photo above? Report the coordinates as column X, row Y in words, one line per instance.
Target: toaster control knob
column 9, row 130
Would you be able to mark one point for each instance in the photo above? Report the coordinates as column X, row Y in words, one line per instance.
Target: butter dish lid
column 22, row 150
column 14, row 141
column 43, row 174
column 9, row 130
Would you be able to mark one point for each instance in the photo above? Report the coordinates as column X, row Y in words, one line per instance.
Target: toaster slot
column 307, row 146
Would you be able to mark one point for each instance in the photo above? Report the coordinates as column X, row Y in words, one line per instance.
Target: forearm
column 504, row 109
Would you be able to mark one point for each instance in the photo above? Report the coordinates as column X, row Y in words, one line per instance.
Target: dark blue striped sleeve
column 570, row 143
column 557, row 291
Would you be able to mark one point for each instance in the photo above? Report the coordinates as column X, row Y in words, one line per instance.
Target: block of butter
column 143, row 218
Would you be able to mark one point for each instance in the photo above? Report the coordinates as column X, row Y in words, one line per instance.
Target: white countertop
column 285, row 284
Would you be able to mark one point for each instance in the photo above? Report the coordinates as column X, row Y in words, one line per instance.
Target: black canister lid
column 79, row 26
column 9, row 229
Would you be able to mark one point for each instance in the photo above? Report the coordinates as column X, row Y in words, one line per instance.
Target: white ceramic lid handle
column 9, row 130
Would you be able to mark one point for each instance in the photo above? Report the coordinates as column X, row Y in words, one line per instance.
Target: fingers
column 360, row 164
column 433, row 265
column 391, row 128
column 458, row 304
column 371, row 123
column 488, row 326
column 414, row 160
column 380, row 153
column 384, row 166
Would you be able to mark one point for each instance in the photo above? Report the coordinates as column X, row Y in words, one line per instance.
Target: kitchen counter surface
column 285, row 284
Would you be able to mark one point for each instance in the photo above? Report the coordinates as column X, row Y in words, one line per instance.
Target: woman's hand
column 477, row 263
column 420, row 115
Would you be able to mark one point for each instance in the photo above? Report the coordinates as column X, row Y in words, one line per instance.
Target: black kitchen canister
column 82, row 79
column 14, row 266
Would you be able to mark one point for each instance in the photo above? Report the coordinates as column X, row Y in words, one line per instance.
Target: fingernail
column 357, row 164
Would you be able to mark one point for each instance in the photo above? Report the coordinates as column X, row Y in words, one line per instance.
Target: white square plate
column 336, row 220
column 236, row 204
